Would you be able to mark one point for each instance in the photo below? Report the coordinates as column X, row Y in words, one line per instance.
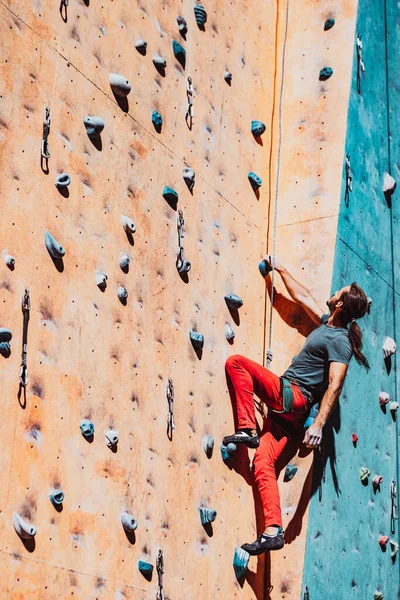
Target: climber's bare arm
column 337, row 374
column 298, row 292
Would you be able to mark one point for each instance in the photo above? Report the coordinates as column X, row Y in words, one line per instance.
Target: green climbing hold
column 227, row 452
column 170, row 195
column 240, row 562
column 325, row 73
column 290, row 472
column 179, row 53
column 329, row 23
column 257, row 128
column 255, row 180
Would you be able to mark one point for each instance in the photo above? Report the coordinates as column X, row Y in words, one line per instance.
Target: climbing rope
column 26, row 307
column 170, row 398
column 160, row 572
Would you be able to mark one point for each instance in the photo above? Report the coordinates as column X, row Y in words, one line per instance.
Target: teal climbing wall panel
column 343, row 556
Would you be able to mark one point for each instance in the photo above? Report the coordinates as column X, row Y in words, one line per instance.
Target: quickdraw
column 360, row 63
column 182, row 264
column 170, row 398
column 190, row 109
column 46, row 131
column 349, row 181
column 26, row 307
column 393, row 513
column 160, row 572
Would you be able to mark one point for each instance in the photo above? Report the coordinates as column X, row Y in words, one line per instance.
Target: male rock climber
column 316, row 375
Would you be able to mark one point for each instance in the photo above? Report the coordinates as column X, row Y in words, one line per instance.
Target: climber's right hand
column 273, row 261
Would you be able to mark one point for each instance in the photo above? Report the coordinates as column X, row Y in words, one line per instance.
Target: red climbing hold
column 354, row 438
column 383, row 540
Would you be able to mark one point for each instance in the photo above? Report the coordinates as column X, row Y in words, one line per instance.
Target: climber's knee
column 232, row 361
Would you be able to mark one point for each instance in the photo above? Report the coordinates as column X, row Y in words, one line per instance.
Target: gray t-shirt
column 310, row 368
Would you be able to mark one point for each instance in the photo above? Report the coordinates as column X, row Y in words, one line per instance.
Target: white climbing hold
column 119, row 85
column 122, row 293
column 54, row 248
column 101, row 279
column 124, row 261
column 112, row 438
column 128, row 522
column 384, row 398
column 159, row 61
column 389, row 184
column 377, row 480
column 229, row 333
column 394, row 407
column 128, row 224
column 189, row 177
column 394, row 548
column 8, row 259
column 389, row 347
column 25, row 530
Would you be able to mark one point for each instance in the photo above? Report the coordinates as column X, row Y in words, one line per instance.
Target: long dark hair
column 355, row 305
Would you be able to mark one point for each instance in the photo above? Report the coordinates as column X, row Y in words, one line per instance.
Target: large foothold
column 170, row 195
column 207, row 515
column 264, row 267
column 94, row 126
column 389, row 347
column 122, row 294
column 87, row 428
column 146, row 569
column 119, row 85
column 129, row 523
column 112, row 438
column 156, row 119
column 329, row 23
column 54, row 248
column 128, row 224
column 255, row 180
column 240, row 562
column 25, row 530
column 5, row 338
column 200, row 14
column 229, row 333
column 197, row 339
column 63, row 180
column 124, row 261
column 383, row 399
column 227, row 452
column 233, row 301
column 179, row 53
column 290, row 472
column 228, row 77
column 208, row 444
column 364, row 474
column 101, row 280
column 56, row 497
column 189, row 177
column 377, row 480
column 394, row 548
column 325, row 73
column 257, row 128
column 383, row 541
column 182, row 25
column 141, row 46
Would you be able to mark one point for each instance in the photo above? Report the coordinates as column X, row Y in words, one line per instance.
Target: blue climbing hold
column 197, row 339
column 233, row 301
column 257, row 128
column 94, row 126
column 255, row 180
column 170, row 195
column 63, row 180
column 54, row 248
column 329, row 23
column 145, row 568
column 207, row 515
column 264, row 267
column 179, row 53
column 240, row 562
column 290, row 472
column 311, row 416
column 227, row 452
column 325, row 73
column 87, row 428
column 156, row 119
column 56, row 497
column 200, row 14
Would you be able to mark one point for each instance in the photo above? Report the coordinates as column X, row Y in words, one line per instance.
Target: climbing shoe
column 249, row 437
column 265, row 542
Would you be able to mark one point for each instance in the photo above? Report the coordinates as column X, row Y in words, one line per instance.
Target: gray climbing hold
column 197, row 339
column 227, row 452
column 101, row 280
column 124, row 261
column 389, row 184
column 229, row 333
column 257, row 128
column 329, row 23
column 207, row 515
column 233, row 301
column 129, row 523
column 56, row 497
column 141, row 46
column 119, row 85
column 189, row 177
column 156, row 119
column 394, row 548
column 94, row 126
column 159, row 61
column 179, row 53
column 112, row 438
column 63, row 180
column 128, row 224
column 87, row 428
column 170, row 195
column 325, row 73
column 240, row 562
column 122, row 293
column 145, row 568
column 25, row 530
column 290, row 472
column 255, row 180
column 54, row 248
column 228, row 77
column 200, row 14
column 8, row 259
column 208, row 444
column 5, row 338
column 182, row 25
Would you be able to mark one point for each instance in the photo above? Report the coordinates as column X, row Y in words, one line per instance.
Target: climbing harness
column 46, row 131
column 160, row 572
column 360, row 63
column 170, row 398
column 26, row 307
column 190, row 109
column 182, row 264
column 349, row 181
column 287, row 392
column 393, row 513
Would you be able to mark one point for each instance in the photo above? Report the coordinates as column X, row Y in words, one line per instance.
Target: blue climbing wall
column 343, row 556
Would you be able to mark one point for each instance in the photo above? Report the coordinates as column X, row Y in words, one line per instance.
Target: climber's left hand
column 313, row 436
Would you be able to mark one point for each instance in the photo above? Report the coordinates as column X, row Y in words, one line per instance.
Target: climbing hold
column 189, row 176
column 383, row 398
column 354, row 438
column 257, row 128
column 394, row 407
column 197, row 339
column 227, row 452
column 233, row 302
column 63, row 181
column 141, row 46
column 383, row 540
column 145, row 568
column 389, row 347
column 179, row 53
column 119, row 85
column 23, row 529
column 53, row 247
column 377, row 480
column 208, row 444
column 311, row 416
column 156, row 119
column 5, row 338
column 182, row 25
column 364, row 473
column 8, row 259
column 128, row 522
column 228, row 79
column 122, row 293
column 207, row 515
column 101, row 280
column 200, row 14
column 87, row 428
column 94, row 126
column 112, row 438
column 159, row 61
column 290, row 472
column 325, row 73
column 240, row 562
column 389, row 184
column 394, row 548
column 128, row 224
column 369, row 304
column 56, row 497
column 124, row 261
column 329, row 23
column 255, row 180
column 264, row 267
column 229, row 333
column 378, row 596
column 170, row 195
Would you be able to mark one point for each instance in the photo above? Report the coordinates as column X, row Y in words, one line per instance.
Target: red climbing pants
column 246, row 378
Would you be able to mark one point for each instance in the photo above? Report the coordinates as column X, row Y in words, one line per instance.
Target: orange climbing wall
column 89, row 356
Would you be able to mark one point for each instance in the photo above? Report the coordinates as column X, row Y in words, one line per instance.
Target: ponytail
column 355, row 337
column 355, row 305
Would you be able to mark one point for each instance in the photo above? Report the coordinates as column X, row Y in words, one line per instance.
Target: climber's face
column 335, row 301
